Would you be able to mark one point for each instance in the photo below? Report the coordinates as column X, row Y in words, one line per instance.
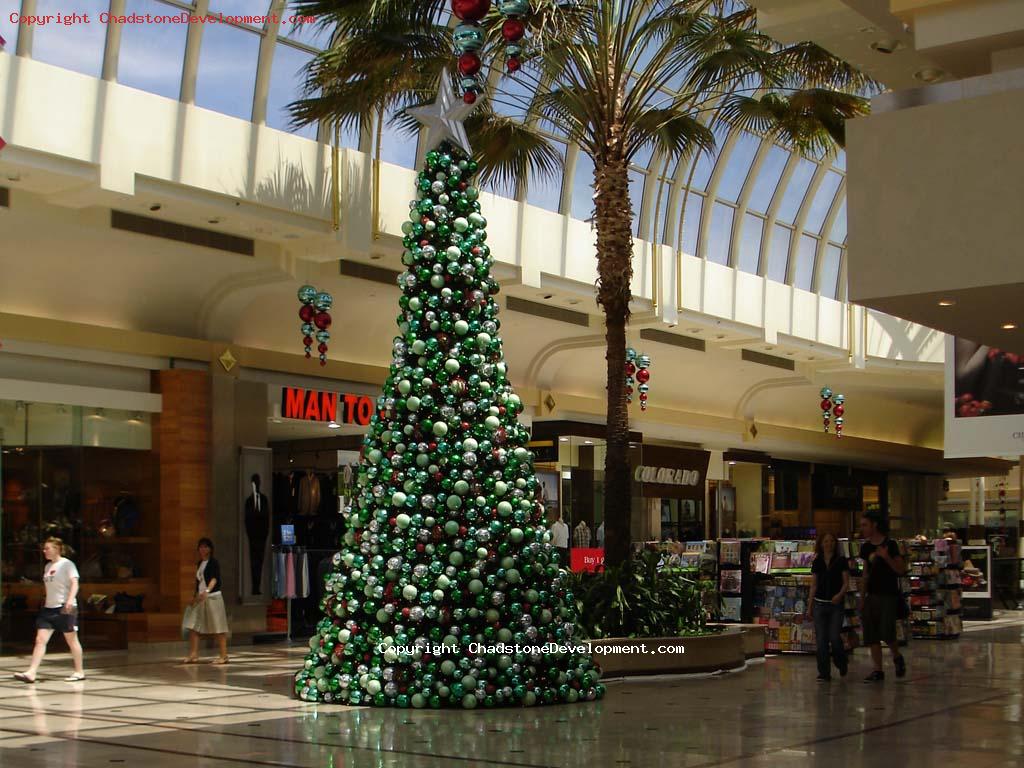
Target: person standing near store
column 206, row 614
column 830, row 581
column 59, row 613
column 880, row 607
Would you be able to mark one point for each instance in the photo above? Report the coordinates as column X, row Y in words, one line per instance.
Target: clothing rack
column 294, row 549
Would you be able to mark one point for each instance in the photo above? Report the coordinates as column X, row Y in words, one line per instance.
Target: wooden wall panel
column 181, row 438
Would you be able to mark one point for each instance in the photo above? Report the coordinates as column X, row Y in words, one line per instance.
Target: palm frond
column 513, row 152
column 670, row 132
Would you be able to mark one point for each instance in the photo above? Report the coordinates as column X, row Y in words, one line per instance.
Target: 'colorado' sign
column 666, row 476
column 313, row 405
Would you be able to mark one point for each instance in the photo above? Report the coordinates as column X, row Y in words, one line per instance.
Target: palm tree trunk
column 614, row 222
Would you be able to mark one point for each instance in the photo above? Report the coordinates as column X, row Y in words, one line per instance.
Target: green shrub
column 637, row 599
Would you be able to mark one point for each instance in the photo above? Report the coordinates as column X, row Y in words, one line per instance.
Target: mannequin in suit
column 257, row 526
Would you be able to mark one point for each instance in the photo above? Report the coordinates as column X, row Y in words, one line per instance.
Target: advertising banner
column 984, row 401
column 587, row 559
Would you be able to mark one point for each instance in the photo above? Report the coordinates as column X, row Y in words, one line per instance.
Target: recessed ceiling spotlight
column 588, row 442
column 574, row 301
column 276, row 421
column 693, row 330
column 946, row 302
column 1009, row 326
column 333, row 425
column 886, row 46
column 214, row 220
column 929, row 75
column 563, row 439
column 155, row 207
column 548, row 295
column 375, row 257
column 732, row 463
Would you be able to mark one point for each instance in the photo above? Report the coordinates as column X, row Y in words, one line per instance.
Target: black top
column 830, row 577
column 212, row 572
column 881, row 578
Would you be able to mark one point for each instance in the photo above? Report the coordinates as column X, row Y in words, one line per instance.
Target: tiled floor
column 961, row 704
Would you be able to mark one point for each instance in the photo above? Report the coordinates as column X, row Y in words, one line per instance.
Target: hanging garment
column 309, row 494
column 303, row 579
column 289, row 575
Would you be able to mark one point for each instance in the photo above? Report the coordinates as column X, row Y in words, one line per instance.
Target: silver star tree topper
column 443, row 118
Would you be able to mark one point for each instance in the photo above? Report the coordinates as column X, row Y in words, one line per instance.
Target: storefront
column 78, row 463
column 668, row 485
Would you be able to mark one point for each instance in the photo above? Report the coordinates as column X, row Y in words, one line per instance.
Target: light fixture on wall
column 333, row 425
column 946, row 302
column 1009, row 326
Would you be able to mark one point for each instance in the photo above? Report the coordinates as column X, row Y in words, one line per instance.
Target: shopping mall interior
column 170, row 238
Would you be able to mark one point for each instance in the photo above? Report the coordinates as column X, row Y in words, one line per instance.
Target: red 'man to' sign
column 314, row 405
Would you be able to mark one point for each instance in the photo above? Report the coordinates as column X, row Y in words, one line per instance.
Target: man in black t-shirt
column 883, row 566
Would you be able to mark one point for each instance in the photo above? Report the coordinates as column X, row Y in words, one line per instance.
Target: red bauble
column 471, row 10
column 307, row 313
column 469, row 64
column 513, row 30
column 629, row 391
column 839, row 410
column 307, row 340
column 513, row 64
column 322, row 348
column 826, row 405
column 643, row 397
column 630, row 368
column 469, row 97
column 322, row 320
column 643, row 375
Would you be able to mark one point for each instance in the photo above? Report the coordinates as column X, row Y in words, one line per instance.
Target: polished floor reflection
column 960, row 705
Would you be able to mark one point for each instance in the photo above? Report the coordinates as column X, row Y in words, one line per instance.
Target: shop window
column 152, row 55
column 101, row 502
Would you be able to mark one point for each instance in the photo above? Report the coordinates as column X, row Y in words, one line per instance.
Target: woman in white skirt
column 206, row 615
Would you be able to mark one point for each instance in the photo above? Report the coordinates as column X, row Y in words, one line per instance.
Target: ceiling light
column 563, row 439
column 1009, row 326
column 14, row 177
column 375, row 257
column 548, row 295
column 732, row 463
column 333, row 425
column 155, row 207
column 276, row 421
column 886, row 46
column 929, row 75
column 214, row 220
column 588, row 442
column 946, row 303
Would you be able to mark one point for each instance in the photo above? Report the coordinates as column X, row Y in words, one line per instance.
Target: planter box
column 628, row 657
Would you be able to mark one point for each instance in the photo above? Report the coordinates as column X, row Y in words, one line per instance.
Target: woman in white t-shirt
column 59, row 613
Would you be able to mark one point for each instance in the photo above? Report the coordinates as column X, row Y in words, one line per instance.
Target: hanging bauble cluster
column 316, row 319
column 513, row 29
column 832, row 408
column 469, row 39
column 638, row 366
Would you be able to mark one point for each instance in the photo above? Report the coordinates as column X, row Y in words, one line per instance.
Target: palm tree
column 616, row 77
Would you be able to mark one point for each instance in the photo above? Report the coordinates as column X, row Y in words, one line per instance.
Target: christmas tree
column 445, row 592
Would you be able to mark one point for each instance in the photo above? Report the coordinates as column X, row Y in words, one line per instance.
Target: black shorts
column 57, row 620
column 878, row 618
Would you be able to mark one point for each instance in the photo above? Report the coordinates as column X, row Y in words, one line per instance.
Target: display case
column 102, row 502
